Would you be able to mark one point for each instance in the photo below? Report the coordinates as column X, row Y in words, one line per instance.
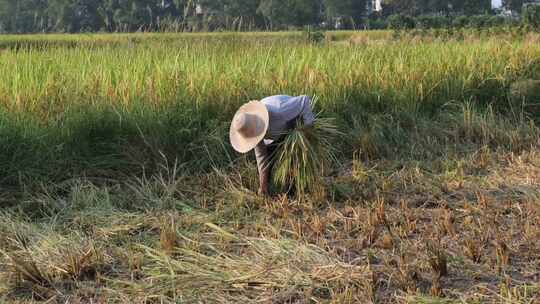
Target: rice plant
column 123, row 99
column 118, row 185
column 305, row 155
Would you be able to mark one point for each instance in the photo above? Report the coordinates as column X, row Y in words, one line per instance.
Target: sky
column 496, row 3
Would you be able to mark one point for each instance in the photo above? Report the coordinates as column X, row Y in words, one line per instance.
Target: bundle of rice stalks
column 304, row 156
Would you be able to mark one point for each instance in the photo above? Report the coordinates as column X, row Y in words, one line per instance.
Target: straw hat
column 249, row 126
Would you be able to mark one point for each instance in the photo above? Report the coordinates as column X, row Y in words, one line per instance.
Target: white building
column 374, row 6
column 378, row 5
column 199, row 9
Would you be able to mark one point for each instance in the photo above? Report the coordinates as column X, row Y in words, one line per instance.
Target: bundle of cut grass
column 304, row 155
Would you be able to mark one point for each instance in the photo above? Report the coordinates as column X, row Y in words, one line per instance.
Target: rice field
column 118, row 184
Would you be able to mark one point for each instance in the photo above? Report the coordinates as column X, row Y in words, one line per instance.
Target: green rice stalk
column 305, row 155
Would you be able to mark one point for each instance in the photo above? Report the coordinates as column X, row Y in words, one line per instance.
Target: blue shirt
column 283, row 111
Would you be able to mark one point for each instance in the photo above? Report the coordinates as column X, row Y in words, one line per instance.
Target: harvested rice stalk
column 304, row 155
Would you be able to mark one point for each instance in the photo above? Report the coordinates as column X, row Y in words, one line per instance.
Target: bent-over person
column 261, row 125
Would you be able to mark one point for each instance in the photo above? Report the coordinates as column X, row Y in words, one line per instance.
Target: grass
column 175, row 94
column 118, row 184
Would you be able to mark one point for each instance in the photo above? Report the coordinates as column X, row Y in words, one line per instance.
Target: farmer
column 262, row 125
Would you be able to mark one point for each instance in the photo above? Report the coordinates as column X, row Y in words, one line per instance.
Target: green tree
column 40, row 15
column 345, row 9
column 402, row 7
column 399, row 22
column 106, row 12
column 9, row 15
column 280, row 13
column 87, row 16
column 241, row 14
column 423, row 7
column 61, row 15
column 513, row 5
column 22, row 16
column 143, row 14
column 531, row 16
column 471, row 7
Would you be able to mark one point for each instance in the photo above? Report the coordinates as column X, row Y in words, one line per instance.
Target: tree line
column 30, row 16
